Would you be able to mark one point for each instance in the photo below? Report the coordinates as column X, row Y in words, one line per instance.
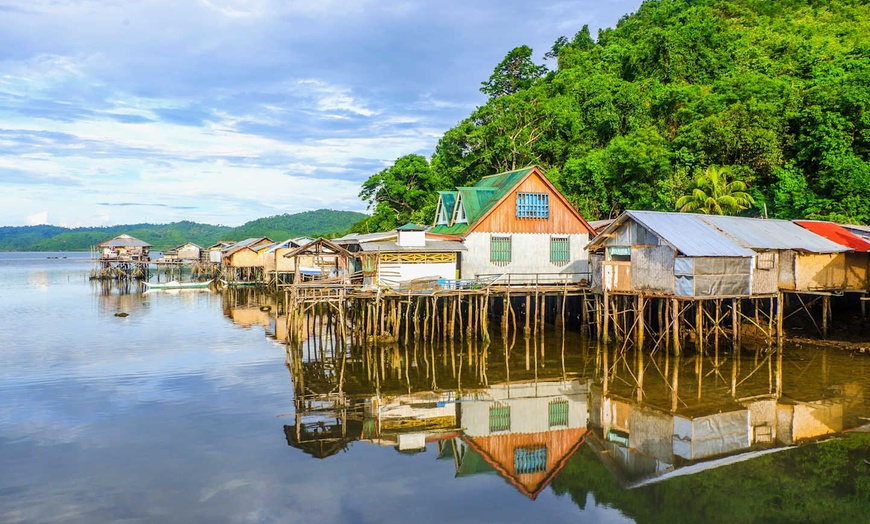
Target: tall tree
column 402, row 193
column 516, row 72
column 713, row 194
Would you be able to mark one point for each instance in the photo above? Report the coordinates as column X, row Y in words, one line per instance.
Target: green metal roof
column 477, row 200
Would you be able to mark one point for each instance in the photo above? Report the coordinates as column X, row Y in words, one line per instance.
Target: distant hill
column 323, row 222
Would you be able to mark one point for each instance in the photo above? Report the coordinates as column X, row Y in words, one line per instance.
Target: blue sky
column 224, row 111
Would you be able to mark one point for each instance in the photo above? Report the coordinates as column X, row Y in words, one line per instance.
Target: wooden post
column 639, row 318
column 527, row 328
column 675, row 324
column 780, row 331
column 606, row 318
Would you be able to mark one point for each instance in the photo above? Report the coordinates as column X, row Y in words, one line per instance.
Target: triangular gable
column 444, row 211
column 515, row 182
column 498, row 450
column 319, row 246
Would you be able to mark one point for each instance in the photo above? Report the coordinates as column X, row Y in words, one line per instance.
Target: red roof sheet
column 836, row 233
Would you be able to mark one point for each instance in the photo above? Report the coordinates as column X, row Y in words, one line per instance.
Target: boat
column 178, row 284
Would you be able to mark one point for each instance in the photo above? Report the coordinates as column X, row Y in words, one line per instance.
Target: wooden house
column 275, row 265
column 245, row 254
column 701, row 256
column 527, row 431
column 404, row 255
column 855, row 263
column 245, row 260
column 516, row 223
column 125, row 248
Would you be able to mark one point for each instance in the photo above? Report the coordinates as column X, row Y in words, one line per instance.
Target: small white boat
column 177, row 284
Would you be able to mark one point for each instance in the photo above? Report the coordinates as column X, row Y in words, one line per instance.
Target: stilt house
column 702, row 256
column 407, row 254
column 318, row 260
column 125, row 248
column 516, row 223
column 853, row 264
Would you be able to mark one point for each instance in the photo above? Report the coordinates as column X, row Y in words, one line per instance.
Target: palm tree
column 713, row 194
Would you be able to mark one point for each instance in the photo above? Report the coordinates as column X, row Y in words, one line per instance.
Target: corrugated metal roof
column 699, row 235
column 836, row 233
column 771, row 234
column 687, row 233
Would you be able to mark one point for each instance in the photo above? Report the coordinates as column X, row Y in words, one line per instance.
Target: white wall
column 404, row 272
column 530, row 253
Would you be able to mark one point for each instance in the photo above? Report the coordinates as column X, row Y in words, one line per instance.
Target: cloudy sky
column 224, row 111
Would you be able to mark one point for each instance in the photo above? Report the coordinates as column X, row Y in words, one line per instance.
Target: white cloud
column 37, row 219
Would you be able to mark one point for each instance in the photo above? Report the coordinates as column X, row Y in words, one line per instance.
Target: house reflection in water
column 689, row 419
column 526, row 432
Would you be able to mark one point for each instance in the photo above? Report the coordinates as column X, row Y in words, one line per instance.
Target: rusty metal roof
column 836, row 233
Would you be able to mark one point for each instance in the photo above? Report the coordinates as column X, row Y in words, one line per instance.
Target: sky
column 224, row 111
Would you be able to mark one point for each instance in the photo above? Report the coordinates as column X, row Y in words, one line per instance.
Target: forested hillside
column 323, row 222
column 776, row 92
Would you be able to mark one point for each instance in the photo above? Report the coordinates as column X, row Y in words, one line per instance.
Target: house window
column 560, row 251
column 500, row 250
column 533, row 205
column 619, row 253
column 460, row 213
column 442, row 215
column 529, row 460
column 765, row 260
column 558, row 413
column 499, row 418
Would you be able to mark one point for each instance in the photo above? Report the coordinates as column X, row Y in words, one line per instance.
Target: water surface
column 184, row 406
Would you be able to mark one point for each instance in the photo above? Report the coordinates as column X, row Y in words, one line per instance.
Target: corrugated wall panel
column 652, row 269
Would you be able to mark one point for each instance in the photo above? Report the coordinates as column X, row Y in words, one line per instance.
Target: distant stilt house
column 277, row 267
column 526, row 432
column 214, row 253
column 244, row 260
column 188, row 252
column 518, row 224
column 702, row 256
column 406, row 256
column 125, row 248
column 856, row 263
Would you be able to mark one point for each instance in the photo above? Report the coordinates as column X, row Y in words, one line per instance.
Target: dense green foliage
column 776, row 91
column 825, row 482
column 322, row 222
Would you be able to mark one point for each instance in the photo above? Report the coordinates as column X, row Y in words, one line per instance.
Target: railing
column 537, row 279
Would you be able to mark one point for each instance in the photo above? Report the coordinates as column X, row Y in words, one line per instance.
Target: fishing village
column 509, row 266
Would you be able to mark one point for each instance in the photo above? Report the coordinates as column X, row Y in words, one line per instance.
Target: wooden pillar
column 605, row 321
column 780, row 331
column 826, row 305
column 639, row 318
column 675, row 324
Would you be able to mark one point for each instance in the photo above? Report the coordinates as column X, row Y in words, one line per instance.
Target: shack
column 855, row 262
column 124, row 248
column 318, row 260
column 702, row 256
column 244, row 260
column 516, row 224
column 408, row 253
column 276, row 267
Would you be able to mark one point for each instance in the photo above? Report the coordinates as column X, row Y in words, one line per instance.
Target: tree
column 513, row 74
column 402, row 193
column 713, row 194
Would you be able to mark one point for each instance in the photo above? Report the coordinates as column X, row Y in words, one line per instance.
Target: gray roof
column 431, row 245
column 697, row 235
column 772, row 234
column 124, row 241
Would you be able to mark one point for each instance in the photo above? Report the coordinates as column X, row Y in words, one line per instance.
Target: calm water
column 189, row 409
